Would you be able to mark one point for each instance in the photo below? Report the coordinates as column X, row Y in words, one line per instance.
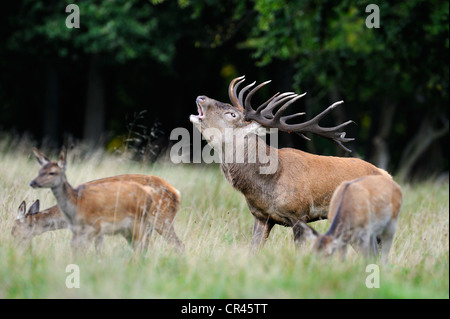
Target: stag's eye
column 52, row 173
column 233, row 115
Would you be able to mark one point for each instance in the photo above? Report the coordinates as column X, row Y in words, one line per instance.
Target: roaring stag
column 301, row 185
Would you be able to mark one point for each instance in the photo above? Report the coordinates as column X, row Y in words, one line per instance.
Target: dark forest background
column 131, row 72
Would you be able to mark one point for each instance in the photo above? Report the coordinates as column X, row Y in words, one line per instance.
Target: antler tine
column 248, row 106
column 291, row 99
column 232, row 88
column 245, row 89
column 325, row 112
column 267, row 112
column 285, row 118
column 327, row 132
column 262, row 106
column 265, row 116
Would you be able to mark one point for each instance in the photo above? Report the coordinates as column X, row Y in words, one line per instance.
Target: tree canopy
column 129, row 56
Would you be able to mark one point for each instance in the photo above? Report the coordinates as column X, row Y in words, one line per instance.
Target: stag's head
column 242, row 117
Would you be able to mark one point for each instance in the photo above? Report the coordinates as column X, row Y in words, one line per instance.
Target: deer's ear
column 21, row 211
column 41, row 158
column 34, row 209
column 337, row 243
column 62, row 158
column 308, row 231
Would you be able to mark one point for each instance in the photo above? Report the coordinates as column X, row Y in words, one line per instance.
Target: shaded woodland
column 131, row 72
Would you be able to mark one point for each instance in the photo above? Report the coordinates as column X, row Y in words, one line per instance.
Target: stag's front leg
column 261, row 231
column 299, row 237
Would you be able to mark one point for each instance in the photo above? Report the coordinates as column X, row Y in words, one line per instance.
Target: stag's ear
column 62, row 158
column 21, row 210
column 41, row 158
column 34, row 209
column 308, row 231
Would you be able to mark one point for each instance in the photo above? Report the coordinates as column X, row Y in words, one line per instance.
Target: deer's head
column 323, row 244
column 241, row 116
column 51, row 174
column 22, row 229
column 215, row 119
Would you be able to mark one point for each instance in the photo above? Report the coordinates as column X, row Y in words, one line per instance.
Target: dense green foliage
column 394, row 79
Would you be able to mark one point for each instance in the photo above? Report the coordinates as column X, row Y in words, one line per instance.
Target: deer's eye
column 52, row 173
column 231, row 114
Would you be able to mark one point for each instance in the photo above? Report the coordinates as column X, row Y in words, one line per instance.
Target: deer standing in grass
column 364, row 213
column 36, row 222
column 121, row 206
column 300, row 187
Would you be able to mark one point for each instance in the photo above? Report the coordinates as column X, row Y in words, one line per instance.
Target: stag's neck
column 66, row 197
column 257, row 170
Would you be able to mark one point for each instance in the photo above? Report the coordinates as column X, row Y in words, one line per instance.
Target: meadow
column 216, row 227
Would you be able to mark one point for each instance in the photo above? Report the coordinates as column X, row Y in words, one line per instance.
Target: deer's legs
column 387, row 236
column 261, row 231
column 98, row 242
column 81, row 237
column 298, row 234
column 164, row 227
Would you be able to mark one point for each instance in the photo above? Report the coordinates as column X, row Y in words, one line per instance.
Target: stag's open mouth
column 200, row 115
column 200, row 112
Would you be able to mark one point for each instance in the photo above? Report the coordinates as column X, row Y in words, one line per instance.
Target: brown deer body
column 35, row 222
column 362, row 212
column 301, row 187
column 120, row 206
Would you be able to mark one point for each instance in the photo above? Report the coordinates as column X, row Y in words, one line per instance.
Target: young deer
column 363, row 212
column 35, row 222
column 300, row 186
column 120, row 206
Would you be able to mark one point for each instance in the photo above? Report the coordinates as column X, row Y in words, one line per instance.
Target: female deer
column 121, row 206
column 362, row 212
column 36, row 222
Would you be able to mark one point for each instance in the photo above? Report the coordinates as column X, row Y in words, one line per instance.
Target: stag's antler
column 264, row 114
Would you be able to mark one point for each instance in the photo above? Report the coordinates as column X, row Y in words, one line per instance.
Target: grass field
column 216, row 227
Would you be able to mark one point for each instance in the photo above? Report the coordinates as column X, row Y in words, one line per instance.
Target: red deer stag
column 121, row 206
column 36, row 222
column 300, row 187
column 364, row 213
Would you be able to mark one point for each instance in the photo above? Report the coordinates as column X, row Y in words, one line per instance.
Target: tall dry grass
column 216, row 227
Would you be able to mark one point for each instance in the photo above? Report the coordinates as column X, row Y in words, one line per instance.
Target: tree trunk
column 425, row 136
column 381, row 155
column 94, row 118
